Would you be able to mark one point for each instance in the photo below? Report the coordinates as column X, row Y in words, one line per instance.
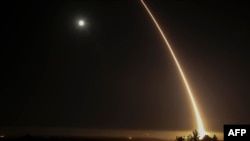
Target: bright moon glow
column 200, row 129
column 81, row 23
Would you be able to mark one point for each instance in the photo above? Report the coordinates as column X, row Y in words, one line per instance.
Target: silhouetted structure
column 180, row 139
column 195, row 137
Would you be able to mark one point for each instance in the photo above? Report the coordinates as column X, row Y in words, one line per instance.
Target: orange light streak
column 201, row 129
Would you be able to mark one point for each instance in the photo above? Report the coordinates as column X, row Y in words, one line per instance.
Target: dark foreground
column 31, row 138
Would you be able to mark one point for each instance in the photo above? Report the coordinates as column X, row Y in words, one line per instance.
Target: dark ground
column 32, row 138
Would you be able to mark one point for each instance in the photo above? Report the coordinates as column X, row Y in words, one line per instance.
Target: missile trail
column 201, row 129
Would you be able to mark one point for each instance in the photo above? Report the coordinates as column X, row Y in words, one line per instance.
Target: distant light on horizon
column 2, row 136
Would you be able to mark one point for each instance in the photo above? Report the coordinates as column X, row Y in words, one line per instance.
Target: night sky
column 115, row 72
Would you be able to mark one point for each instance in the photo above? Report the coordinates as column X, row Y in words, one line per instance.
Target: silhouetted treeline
column 195, row 137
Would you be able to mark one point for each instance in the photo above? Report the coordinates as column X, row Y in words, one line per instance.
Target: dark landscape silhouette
column 192, row 137
column 195, row 137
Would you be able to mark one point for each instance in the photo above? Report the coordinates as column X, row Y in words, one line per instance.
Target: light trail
column 200, row 129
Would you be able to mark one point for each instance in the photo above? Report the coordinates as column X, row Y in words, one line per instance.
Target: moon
column 81, row 23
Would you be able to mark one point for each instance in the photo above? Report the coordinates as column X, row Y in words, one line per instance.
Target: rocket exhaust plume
column 200, row 129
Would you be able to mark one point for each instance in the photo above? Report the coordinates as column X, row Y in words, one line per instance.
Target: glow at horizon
column 200, row 129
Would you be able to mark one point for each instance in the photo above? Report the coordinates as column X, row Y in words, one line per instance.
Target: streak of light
column 201, row 129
